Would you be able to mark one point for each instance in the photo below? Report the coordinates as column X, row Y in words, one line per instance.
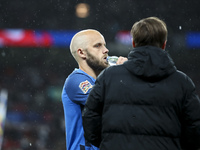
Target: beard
column 95, row 64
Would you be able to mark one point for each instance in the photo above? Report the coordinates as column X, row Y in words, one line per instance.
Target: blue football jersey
column 74, row 95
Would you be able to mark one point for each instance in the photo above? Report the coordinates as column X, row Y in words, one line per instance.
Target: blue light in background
column 193, row 40
column 62, row 38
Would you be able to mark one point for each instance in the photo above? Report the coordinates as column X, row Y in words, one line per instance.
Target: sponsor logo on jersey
column 85, row 86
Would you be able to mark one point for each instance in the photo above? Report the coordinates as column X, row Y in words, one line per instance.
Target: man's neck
column 89, row 71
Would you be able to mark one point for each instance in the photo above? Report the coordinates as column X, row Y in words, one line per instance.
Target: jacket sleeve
column 92, row 113
column 191, row 118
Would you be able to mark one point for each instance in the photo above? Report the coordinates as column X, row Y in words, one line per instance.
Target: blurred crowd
column 34, row 118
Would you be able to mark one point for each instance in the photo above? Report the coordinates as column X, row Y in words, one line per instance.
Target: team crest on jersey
column 85, row 86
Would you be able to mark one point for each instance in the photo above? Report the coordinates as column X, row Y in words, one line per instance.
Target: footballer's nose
column 105, row 50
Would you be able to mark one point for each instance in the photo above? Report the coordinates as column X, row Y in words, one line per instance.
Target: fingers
column 121, row 60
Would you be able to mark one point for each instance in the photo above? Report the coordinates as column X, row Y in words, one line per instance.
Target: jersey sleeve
column 77, row 87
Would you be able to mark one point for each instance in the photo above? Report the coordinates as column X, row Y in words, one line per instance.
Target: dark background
column 34, row 76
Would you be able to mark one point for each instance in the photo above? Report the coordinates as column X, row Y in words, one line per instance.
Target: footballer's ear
column 164, row 45
column 133, row 43
column 81, row 53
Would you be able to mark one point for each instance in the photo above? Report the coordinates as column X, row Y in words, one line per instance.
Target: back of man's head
column 149, row 31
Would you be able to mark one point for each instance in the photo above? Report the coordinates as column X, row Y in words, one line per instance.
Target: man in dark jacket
column 145, row 103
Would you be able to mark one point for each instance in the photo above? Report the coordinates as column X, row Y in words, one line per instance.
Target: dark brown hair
column 149, row 31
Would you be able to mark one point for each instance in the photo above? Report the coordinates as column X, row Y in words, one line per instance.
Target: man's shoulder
column 78, row 76
column 77, row 86
column 115, row 69
column 79, row 81
column 181, row 75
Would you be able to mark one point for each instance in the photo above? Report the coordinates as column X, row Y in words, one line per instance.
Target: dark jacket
column 144, row 104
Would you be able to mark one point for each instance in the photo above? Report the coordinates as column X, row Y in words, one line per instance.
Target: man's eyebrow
column 97, row 44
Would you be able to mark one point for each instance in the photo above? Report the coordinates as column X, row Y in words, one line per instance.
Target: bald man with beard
column 88, row 47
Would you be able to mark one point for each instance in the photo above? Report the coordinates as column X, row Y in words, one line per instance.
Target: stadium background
column 34, row 74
